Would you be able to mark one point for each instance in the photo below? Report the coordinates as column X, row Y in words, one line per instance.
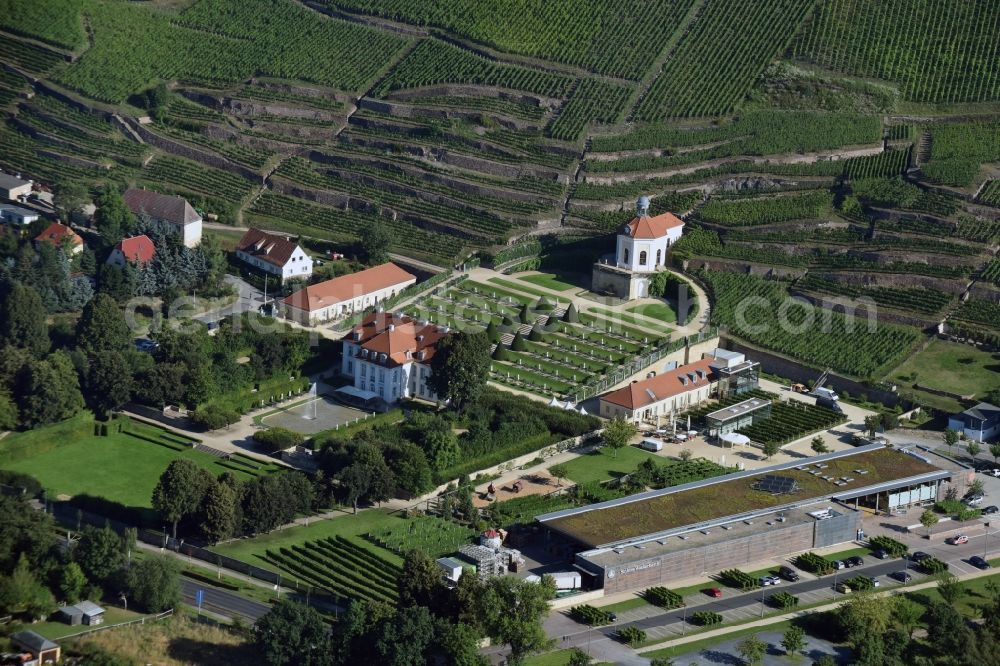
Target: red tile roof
column 652, row 227
column 271, row 248
column 346, row 287
column 137, row 248
column 175, row 210
column 664, row 385
column 400, row 338
column 56, row 232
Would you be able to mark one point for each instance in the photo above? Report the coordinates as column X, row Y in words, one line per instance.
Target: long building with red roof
column 388, row 357
column 346, row 294
column 718, row 373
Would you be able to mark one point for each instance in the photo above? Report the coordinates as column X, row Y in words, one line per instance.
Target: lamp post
column 986, row 540
column 762, row 601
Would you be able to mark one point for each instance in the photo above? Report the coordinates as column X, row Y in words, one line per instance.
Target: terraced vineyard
column 821, row 338
column 905, row 45
column 849, row 146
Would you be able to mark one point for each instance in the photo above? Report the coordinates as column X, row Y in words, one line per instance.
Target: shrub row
column 814, row 563
column 587, row 614
column 889, row 545
column 664, row 598
column 739, row 579
column 706, row 618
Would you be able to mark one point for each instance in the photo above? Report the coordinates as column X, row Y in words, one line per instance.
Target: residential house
column 175, row 211
column 346, row 294
column 59, row 235
column 277, row 255
column 18, row 216
column 717, row 374
column 388, row 357
column 980, row 423
column 12, row 188
column 134, row 250
column 42, row 650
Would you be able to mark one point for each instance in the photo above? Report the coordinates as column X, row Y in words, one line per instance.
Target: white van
column 651, row 445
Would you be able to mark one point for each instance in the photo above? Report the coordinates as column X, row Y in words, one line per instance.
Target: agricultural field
column 434, row 536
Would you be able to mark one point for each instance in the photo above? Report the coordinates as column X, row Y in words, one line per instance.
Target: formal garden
column 543, row 344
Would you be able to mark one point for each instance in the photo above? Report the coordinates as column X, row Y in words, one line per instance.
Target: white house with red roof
column 640, row 250
column 346, row 294
column 388, row 357
column 175, row 211
column 274, row 254
column 134, row 250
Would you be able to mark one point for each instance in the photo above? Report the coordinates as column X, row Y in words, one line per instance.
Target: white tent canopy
column 554, row 403
column 735, row 439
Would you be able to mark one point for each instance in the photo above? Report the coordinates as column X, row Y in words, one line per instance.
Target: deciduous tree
column 818, row 445
column 512, row 610
column 109, row 382
column 752, row 649
column 154, row 583
column 292, row 633
column 560, row 472
column 72, row 582
column 180, row 491
column 100, row 553
column 376, row 241
column 420, row 584
column 618, row 433
column 794, row 640
column 219, row 511
column 928, row 519
column 460, row 368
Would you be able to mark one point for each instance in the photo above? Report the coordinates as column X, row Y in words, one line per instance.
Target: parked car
column 713, row 592
column 774, row 579
column 788, row 574
column 973, row 500
column 957, row 540
column 979, row 562
column 881, row 554
column 901, row 576
column 855, row 561
column 838, row 564
column 991, row 509
column 875, row 582
column 612, row 617
column 919, row 556
column 764, row 581
column 993, row 472
column 843, row 588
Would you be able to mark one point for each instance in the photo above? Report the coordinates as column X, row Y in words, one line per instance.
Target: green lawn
column 250, row 550
column 120, row 468
column 525, row 290
column 658, row 311
column 55, row 629
column 602, row 465
column 549, row 281
column 949, row 366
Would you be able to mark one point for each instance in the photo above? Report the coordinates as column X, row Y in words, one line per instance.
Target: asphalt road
column 223, row 602
column 250, row 298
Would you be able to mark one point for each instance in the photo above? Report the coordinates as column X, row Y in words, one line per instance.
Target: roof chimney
column 642, row 206
column 392, row 327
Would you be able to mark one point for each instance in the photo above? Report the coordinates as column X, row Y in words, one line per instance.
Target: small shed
column 93, row 614
column 71, row 615
column 84, row 612
column 41, row 648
